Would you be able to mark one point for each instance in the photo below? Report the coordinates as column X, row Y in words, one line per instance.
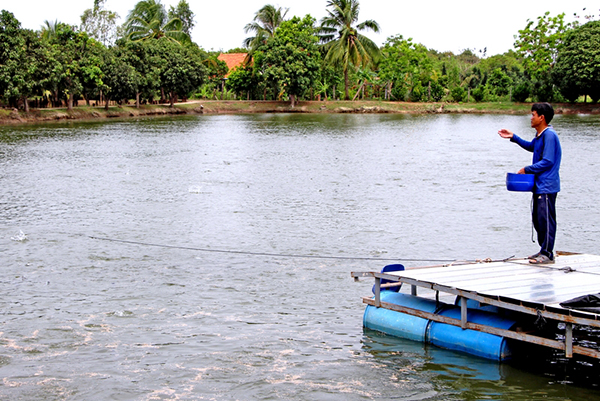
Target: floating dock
column 478, row 307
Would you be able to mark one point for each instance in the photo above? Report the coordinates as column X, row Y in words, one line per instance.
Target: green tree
column 180, row 69
column 142, row 57
column 76, row 67
column 290, row 60
column 499, row 83
column 406, row 66
column 121, row 81
column 22, row 57
column 149, row 20
column 184, row 14
column 539, row 44
column 242, row 80
column 100, row 24
column 577, row 69
column 49, row 29
column 345, row 46
column 265, row 22
column 11, row 43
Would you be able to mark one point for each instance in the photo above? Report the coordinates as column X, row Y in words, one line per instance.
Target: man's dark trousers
column 544, row 221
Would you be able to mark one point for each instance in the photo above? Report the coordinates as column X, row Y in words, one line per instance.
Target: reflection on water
column 84, row 318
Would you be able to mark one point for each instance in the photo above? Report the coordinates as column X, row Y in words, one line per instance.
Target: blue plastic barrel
column 474, row 342
column 396, row 323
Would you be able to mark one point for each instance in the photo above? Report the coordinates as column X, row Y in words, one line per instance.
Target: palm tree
column 266, row 20
column 149, row 20
column 350, row 47
column 49, row 29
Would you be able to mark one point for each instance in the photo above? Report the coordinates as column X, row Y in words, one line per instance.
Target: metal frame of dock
column 513, row 285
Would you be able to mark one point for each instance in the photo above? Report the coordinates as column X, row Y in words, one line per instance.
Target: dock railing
column 567, row 316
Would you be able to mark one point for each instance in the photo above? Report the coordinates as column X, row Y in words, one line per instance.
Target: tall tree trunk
column 25, row 104
column 106, row 100
column 429, row 91
column 137, row 100
column 172, row 100
column 70, row 102
column 293, row 100
column 346, row 84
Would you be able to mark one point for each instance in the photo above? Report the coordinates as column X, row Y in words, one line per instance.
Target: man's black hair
column 544, row 109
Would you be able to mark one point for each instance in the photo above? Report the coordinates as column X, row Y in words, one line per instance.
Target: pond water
column 209, row 257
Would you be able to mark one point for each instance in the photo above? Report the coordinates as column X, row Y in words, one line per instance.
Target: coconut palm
column 49, row 29
column 149, row 20
column 349, row 48
column 266, row 20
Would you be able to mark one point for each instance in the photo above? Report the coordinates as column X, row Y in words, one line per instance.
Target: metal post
column 377, row 292
column 569, row 340
column 463, row 312
column 413, row 290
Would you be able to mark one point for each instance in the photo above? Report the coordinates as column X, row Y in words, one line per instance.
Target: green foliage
column 521, row 91
column 265, row 22
column 577, row 70
column 237, row 50
column 539, row 45
column 344, row 45
column 417, row 93
column 180, row 69
column 499, row 83
column 407, row 65
column 11, row 42
column 437, row 91
column 183, row 13
column 71, row 63
column 149, row 20
column 479, row 94
column 121, row 80
column 242, row 80
column 100, row 24
column 458, row 94
column 76, row 62
column 290, row 60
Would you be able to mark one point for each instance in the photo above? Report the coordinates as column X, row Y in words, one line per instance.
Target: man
column 546, row 163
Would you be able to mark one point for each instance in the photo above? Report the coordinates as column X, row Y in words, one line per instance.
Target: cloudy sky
column 438, row 24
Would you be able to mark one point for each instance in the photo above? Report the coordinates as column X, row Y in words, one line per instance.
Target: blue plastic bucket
column 520, row 182
column 386, row 269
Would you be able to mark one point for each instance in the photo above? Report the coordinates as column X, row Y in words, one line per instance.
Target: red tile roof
column 233, row 60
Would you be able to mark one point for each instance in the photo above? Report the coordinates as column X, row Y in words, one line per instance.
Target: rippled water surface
column 159, row 259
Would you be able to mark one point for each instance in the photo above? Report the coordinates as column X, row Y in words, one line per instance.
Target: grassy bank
column 8, row 116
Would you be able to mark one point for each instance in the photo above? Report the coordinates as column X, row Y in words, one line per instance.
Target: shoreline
column 197, row 107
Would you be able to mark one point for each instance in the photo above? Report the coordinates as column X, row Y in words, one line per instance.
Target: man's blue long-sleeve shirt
column 547, row 154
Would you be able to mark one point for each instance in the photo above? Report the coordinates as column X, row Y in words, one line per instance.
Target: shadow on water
column 534, row 374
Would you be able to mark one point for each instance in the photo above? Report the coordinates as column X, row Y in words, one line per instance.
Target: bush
column 521, row 91
column 437, row 91
column 416, row 95
column 478, row 93
column 458, row 94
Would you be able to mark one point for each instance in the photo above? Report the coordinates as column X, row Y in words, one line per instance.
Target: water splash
column 20, row 237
